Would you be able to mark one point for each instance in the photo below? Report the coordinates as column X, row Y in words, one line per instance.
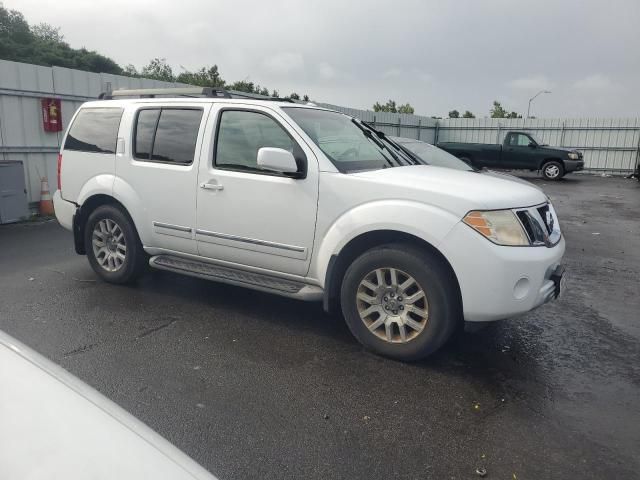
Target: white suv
column 303, row 202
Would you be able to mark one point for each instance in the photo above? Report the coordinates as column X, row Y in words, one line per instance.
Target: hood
column 455, row 190
column 509, row 177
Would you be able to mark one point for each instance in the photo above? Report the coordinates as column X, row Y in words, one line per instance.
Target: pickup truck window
column 519, row 140
column 167, row 135
column 94, row 130
column 242, row 133
column 344, row 144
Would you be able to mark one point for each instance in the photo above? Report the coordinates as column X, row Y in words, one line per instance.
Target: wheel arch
column 339, row 262
column 544, row 161
column 83, row 213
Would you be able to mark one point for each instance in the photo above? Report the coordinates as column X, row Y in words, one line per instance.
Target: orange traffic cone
column 46, row 203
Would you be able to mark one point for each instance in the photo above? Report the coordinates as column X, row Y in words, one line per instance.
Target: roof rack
column 164, row 92
column 207, row 92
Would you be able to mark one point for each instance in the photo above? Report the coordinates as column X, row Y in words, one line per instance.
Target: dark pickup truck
column 520, row 151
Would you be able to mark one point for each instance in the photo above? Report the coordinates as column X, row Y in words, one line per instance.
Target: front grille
column 546, row 217
column 541, row 225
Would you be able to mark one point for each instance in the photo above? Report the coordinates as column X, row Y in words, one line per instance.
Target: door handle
column 211, row 186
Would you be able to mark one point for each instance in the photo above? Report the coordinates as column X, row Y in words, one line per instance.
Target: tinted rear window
column 94, row 130
column 171, row 138
column 145, row 128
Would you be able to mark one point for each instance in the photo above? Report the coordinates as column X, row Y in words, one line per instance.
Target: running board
column 243, row 278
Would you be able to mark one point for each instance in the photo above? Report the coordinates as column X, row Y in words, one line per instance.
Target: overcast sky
column 436, row 55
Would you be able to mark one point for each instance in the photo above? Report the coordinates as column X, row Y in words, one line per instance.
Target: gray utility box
column 13, row 193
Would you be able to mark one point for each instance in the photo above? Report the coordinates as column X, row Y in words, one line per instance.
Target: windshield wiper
column 369, row 133
column 410, row 157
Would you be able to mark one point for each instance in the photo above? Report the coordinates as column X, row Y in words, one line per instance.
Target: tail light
column 59, row 171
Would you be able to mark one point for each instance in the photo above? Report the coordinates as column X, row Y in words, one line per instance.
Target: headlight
column 574, row 155
column 499, row 226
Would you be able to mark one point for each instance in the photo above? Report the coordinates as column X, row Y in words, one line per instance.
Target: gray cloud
column 436, row 55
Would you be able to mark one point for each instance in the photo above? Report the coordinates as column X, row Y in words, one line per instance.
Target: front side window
column 167, row 135
column 242, row 133
column 520, row 140
column 340, row 139
column 94, row 130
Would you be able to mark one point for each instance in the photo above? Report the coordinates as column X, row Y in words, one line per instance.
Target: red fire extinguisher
column 51, row 114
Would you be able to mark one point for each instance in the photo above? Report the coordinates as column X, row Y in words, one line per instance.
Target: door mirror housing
column 277, row 160
column 532, row 145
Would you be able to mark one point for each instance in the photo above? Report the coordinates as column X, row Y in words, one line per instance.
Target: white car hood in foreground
column 53, row 426
column 471, row 189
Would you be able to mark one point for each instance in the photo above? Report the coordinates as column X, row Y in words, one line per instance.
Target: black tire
column 135, row 259
column 553, row 170
column 431, row 274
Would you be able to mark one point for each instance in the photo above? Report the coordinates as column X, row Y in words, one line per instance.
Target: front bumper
column 573, row 165
column 498, row 282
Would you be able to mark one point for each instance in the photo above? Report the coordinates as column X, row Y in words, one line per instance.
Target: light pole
column 533, row 98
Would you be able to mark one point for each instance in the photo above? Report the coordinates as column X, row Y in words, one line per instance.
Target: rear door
column 158, row 171
column 251, row 217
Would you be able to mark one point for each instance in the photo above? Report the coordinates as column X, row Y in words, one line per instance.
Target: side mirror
column 532, row 145
column 277, row 160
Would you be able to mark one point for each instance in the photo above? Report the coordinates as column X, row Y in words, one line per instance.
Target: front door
column 247, row 216
column 519, row 152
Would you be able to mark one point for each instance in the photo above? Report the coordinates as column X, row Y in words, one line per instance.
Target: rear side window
column 94, row 130
column 167, row 135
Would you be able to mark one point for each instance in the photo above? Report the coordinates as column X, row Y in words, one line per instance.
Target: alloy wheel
column 109, row 246
column 392, row 305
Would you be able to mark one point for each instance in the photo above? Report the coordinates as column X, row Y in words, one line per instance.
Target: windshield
column 349, row 145
column 432, row 155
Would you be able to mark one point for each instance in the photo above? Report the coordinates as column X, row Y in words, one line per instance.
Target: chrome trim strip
column 252, row 241
column 172, row 227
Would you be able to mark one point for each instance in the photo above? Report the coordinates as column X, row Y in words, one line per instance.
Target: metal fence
column 396, row 124
column 609, row 145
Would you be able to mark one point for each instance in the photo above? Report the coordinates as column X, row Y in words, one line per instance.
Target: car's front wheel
column 400, row 301
column 113, row 247
column 552, row 170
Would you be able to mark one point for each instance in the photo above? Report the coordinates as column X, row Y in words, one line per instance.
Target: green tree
column 243, row 86
column 454, row 114
column 390, row 106
column 158, row 69
column 305, row 98
column 44, row 45
column 294, row 96
column 406, row 108
column 468, row 114
column 130, row 71
column 497, row 111
column 205, row 77
column 275, row 94
column 513, row 115
column 47, row 33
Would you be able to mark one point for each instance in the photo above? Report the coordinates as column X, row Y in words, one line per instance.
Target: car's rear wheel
column 114, row 249
column 400, row 301
column 552, row 170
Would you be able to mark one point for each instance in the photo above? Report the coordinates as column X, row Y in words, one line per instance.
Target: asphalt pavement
column 254, row 386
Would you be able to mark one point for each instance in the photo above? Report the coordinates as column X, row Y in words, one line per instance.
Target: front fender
column 429, row 223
